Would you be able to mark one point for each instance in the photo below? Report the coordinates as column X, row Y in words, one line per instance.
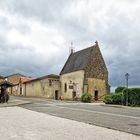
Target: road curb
column 121, row 106
column 14, row 104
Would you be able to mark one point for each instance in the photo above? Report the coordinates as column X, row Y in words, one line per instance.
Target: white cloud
column 44, row 30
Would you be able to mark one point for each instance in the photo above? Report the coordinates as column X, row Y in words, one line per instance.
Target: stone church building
column 85, row 71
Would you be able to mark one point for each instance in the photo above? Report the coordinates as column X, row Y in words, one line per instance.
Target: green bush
column 117, row 98
column 133, row 95
column 86, row 97
column 119, row 89
column 113, row 98
column 108, row 99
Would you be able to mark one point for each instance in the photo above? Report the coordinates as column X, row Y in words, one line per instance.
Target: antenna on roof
column 71, row 48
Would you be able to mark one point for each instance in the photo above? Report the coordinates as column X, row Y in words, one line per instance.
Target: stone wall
column 1, row 79
column 14, row 90
column 69, row 80
column 96, row 67
column 97, row 85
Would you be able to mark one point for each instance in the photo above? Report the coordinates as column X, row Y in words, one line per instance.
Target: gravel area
column 20, row 124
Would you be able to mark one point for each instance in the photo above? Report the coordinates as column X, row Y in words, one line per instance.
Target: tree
column 119, row 89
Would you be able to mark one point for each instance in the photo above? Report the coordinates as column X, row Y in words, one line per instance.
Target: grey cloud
column 19, row 59
column 116, row 30
column 5, row 26
column 43, row 9
column 23, row 28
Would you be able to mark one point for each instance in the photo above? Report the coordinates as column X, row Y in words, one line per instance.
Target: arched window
column 65, row 87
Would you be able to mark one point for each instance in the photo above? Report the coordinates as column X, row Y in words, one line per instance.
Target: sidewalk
column 21, row 124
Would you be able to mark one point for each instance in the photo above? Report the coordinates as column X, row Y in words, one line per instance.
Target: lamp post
column 126, row 77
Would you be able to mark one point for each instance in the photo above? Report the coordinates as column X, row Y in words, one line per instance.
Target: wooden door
column 56, row 95
column 96, row 95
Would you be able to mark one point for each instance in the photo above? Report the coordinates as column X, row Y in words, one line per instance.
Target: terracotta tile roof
column 25, row 79
column 14, row 75
column 1, row 77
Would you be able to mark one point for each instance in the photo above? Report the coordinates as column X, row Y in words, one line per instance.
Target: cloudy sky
column 35, row 35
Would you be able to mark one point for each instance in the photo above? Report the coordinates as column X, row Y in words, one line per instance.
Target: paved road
column 25, row 124
column 120, row 118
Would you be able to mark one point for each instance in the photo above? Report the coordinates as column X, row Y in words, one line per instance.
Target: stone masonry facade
column 84, row 71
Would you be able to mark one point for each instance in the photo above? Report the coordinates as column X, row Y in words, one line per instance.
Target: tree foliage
column 130, row 95
column 119, row 89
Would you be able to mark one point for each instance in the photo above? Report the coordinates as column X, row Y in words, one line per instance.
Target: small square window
column 71, row 87
column 50, row 82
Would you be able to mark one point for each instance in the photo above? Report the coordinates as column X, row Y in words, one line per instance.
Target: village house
column 17, row 81
column 47, row 86
column 85, row 71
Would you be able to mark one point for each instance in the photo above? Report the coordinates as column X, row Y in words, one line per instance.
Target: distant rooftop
column 43, row 77
column 15, row 74
column 1, row 77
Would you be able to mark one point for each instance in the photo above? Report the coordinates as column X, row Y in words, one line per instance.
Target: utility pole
column 126, row 77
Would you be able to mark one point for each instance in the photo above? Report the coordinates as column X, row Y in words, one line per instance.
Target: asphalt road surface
column 114, row 117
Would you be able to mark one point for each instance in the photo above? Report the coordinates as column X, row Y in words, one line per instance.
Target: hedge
column 121, row 98
column 113, row 98
column 133, row 96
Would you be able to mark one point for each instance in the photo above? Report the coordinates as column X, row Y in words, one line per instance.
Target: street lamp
column 126, row 77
